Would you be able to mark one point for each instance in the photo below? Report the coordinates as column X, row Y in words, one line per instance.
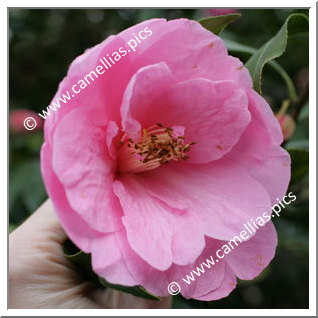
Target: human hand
column 41, row 277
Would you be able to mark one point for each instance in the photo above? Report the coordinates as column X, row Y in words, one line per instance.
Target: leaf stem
column 301, row 102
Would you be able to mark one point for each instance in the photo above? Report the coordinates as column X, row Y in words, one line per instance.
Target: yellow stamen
column 158, row 145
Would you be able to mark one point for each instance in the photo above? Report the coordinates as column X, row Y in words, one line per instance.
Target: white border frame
column 312, row 162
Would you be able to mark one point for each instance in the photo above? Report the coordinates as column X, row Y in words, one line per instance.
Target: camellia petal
column 221, row 193
column 215, row 124
column 110, row 264
column 259, row 151
column 83, row 165
column 171, row 236
column 250, row 258
column 82, row 233
column 227, row 285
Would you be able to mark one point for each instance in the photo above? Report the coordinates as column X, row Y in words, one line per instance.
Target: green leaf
column 304, row 113
column 297, row 144
column 275, row 47
column 292, row 237
column 138, row 291
column 12, row 227
column 241, row 48
column 83, row 263
column 299, row 163
column 216, row 24
column 81, row 260
column 26, row 182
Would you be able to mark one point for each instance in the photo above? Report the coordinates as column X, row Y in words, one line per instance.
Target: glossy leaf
column 241, row 48
column 136, row 291
column 299, row 163
column 275, row 47
column 216, row 24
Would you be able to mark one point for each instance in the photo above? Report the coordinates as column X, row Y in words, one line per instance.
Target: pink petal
column 112, row 132
column 172, row 42
column 140, row 93
column 214, row 114
column 156, row 281
column 228, row 284
column 219, row 280
column 258, row 150
column 210, row 276
column 83, row 165
column 103, row 93
column 159, row 233
column 252, row 256
column 108, row 262
column 106, row 91
column 153, row 280
column 221, row 193
column 81, row 234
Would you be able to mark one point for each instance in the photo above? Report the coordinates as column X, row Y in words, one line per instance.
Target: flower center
column 157, row 145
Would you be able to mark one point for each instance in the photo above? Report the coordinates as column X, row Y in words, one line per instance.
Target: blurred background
column 42, row 44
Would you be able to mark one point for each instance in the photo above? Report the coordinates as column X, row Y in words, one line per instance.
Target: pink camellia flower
column 17, row 118
column 287, row 124
column 163, row 159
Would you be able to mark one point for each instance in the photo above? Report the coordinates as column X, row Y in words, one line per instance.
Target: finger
column 42, row 225
column 112, row 298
